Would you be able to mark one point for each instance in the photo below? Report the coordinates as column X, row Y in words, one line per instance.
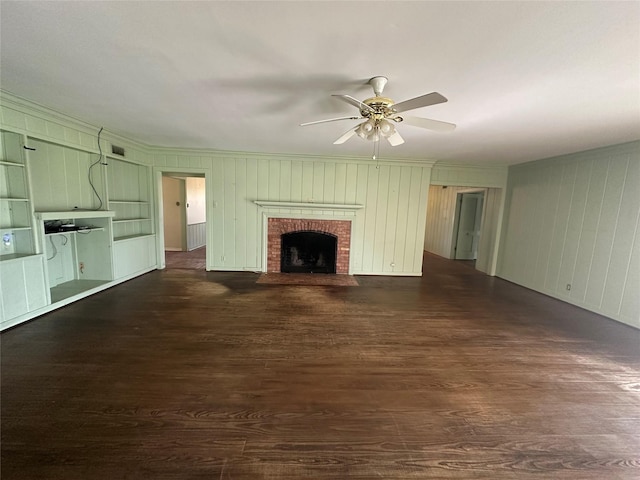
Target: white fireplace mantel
column 310, row 205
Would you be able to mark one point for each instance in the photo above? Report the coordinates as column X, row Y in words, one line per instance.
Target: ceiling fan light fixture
column 386, row 128
column 365, row 129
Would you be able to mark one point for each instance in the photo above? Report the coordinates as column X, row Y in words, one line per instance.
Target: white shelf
column 14, row 228
column 73, row 287
column 74, row 214
column 11, row 164
column 131, row 237
column 130, row 202
column 13, row 199
column 81, row 232
column 125, row 220
column 16, row 256
column 318, row 206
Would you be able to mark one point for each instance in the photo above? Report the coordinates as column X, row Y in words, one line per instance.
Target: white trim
column 71, row 214
column 66, row 301
column 306, row 205
column 158, row 171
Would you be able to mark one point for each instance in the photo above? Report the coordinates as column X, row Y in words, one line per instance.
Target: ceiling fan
column 381, row 113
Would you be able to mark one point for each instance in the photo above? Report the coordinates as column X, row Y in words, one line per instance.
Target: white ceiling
column 525, row 80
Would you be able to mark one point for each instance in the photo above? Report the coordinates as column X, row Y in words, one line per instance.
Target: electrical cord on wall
column 63, row 242
column 93, row 165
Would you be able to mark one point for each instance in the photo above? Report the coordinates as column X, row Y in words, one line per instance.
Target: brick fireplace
column 276, row 227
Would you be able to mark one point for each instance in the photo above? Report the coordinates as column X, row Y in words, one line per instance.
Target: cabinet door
column 133, row 256
column 22, row 287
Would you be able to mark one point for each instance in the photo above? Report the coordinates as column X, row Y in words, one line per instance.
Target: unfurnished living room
column 319, row 240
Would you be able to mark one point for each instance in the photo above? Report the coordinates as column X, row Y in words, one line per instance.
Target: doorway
column 467, row 225
column 183, row 206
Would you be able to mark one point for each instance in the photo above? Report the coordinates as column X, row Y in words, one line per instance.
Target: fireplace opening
column 308, row 252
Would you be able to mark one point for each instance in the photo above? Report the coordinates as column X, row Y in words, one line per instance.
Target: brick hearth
column 277, row 226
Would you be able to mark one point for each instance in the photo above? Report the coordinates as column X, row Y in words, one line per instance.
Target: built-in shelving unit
column 54, row 170
column 129, row 190
column 78, row 258
column 16, row 214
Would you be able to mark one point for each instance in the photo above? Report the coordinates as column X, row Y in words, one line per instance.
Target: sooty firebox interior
column 308, row 252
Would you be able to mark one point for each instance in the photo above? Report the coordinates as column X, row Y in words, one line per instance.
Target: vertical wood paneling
column 340, row 183
column 580, row 189
column 284, row 177
column 60, row 177
column 252, row 248
column 318, row 182
column 370, row 212
column 229, row 209
column 415, row 212
column 217, row 227
column 352, row 184
column 391, row 221
column 307, row 182
column 382, row 205
column 561, row 217
column 296, row 181
column 383, row 232
column 630, row 304
column 359, row 185
column 274, row 180
column 196, row 235
column 329, row 184
column 240, row 214
column 624, row 236
column 583, row 209
column 402, row 221
column 605, row 234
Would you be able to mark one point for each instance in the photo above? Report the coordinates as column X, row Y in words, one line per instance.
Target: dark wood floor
column 184, row 374
column 192, row 260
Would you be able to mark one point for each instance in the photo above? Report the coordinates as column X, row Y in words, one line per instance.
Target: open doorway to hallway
column 463, row 223
column 184, row 214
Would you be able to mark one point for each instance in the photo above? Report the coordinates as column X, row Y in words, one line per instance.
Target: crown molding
column 221, row 154
column 48, row 114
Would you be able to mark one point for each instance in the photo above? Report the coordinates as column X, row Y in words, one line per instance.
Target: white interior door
column 469, row 223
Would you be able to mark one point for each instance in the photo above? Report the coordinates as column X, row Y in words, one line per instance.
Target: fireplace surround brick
column 278, row 226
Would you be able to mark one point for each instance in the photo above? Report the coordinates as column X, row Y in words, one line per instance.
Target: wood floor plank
column 183, row 374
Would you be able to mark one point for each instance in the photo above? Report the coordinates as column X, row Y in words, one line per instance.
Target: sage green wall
column 387, row 233
column 571, row 229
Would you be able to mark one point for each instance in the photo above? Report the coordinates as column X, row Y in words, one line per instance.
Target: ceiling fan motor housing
column 381, row 107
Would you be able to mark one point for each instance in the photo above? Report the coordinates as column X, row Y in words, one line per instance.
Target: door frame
column 185, row 172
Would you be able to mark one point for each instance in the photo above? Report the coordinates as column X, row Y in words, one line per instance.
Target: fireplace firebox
column 340, row 230
column 308, row 252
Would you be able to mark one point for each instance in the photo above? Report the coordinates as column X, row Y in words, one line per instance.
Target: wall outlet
column 81, row 266
column 568, row 287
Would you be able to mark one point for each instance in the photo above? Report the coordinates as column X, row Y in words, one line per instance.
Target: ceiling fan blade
column 355, row 102
column 395, row 139
column 330, row 120
column 346, row 136
column 429, row 124
column 432, row 98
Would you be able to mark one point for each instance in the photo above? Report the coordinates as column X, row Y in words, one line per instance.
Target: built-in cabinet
column 129, row 192
column 22, row 278
column 77, row 248
column 85, row 224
